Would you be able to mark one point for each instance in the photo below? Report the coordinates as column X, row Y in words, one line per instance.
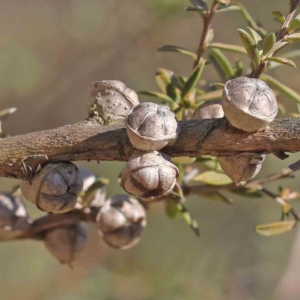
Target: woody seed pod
column 149, row 175
column 66, row 243
column 249, row 104
column 121, row 221
column 111, row 99
column 209, row 110
column 151, row 126
column 241, row 168
column 14, row 217
column 54, row 188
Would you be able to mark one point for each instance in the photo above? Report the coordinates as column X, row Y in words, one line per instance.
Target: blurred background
column 50, row 52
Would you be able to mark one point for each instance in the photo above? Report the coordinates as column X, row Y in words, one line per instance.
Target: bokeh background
column 50, row 52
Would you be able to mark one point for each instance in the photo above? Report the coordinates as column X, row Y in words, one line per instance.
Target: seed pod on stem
column 149, row 175
column 111, row 100
column 121, row 221
column 249, row 103
column 66, row 243
column 54, row 188
column 209, row 110
column 151, row 126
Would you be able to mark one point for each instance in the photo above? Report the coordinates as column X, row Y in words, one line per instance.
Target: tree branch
column 88, row 141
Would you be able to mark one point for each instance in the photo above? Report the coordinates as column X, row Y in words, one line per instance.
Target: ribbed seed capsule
column 209, row 110
column 149, row 175
column 111, row 99
column 54, row 188
column 121, row 221
column 151, row 126
column 66, row 243
column 249, row 104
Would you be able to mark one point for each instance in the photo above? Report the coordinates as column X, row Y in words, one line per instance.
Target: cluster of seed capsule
column 248, row 104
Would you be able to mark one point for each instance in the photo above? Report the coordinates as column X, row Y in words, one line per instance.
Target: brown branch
column 280, row 36
column 206, row 26
column 87, row 141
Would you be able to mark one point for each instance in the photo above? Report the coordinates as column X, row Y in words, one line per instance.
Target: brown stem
column 87, row 141
column 280, row 36
column 206, row 26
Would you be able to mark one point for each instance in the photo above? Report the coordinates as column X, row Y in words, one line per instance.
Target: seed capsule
column 149, row 175
column 209, row 110
column 151, row 126
column 121, row 221
column 111, row 99
column 66, row 243
column 54, row 188
column 249, row 104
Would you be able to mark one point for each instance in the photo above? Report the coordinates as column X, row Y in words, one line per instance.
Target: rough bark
column 90, row 141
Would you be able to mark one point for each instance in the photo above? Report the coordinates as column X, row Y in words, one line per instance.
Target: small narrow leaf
column 91, row 192
column 228, row 8
column 216, row 196
column 249, row 193
column 290, row 55
column 278, row 16
column 162, row 77
column 294, row 37
column 256, row 37
column 177, row 49
column 157, row 95
column 269, row 43
column 188, row 218
column 221, row 64
column 209, row 37
column 185, row 160
column 173, row 93
column 250, row 46
column 177, row 81
column 192, row 8
column 238, row 68
column 295, row 24
column 193, row 80
column 282, row 60
column 213, row 178
column 275, row 228
column 215, row 95
column 224, row 2
column 228, row 47
column 281, row 87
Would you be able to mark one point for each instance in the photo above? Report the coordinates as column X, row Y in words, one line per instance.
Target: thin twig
column 206, row 26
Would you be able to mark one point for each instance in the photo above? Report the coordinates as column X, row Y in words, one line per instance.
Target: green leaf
column 193, row 80
column 250, row 46
column 269, row 43
column 294, row 37
column 228, row 47
column 295, row 24
column 185, row 160
column 177, row 49
column 188, row 218
column 215, row 95
column 213, row 178
column 227, row 8
column 275, row 228
column 192, row 8
column 171, row 209
column 178, row 82
column 255, row 36
column 173, row 93
column 278, row 46
column 157, row 95
column 91, row 192
column 250, row 193
column 217, row 196
column 221, row 63
column 224, row 2
column 162, row 77
column 282, row 60
column 281, row 87
column 238, row 68
column 290, row 55
column 278, row 16
column 209, row 37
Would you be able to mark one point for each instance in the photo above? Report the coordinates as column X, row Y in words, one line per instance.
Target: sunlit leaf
column 278, row 16
column 269, row 43
column 290, row 55
column 193, row 80
column 6, row 112
column 200, row 3
column 91, row 192
column 281, row 87
column 278, row 46
column 250, row 46
column 209, row 36
column 171, row 209
column 157, row 95
column 163, row 78
column 215, row 95
column 255, row 36
column 294, row 37
column 275, row 228
column 225, row 2
column 282, row 60
column 213, row 178
column 221, row 63
column 295, row 24
column 227, row 8
column 188, row 218
column 228, row 47
column 177, row 49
